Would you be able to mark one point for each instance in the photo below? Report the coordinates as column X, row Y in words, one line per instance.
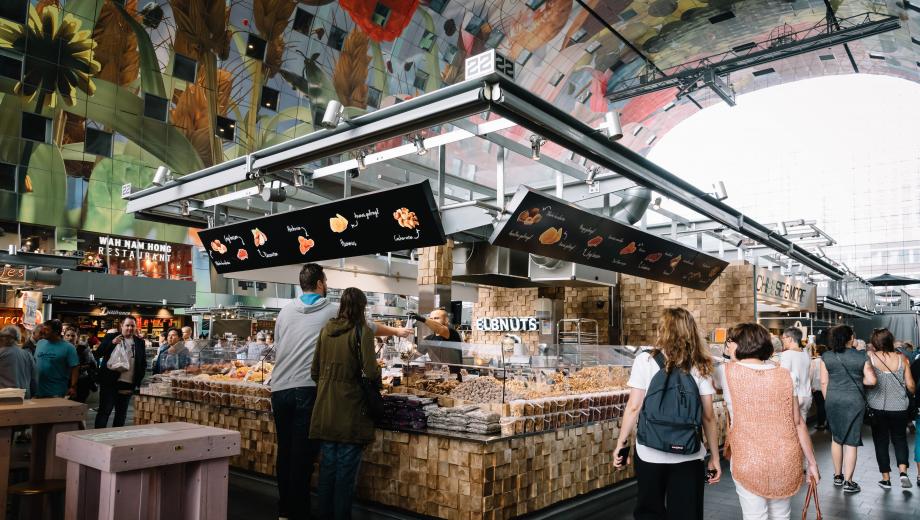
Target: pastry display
column 258, row 237
column 529, row 217
column 406, row 218
column 306, row 244
column 551, row 236
column 338, row 223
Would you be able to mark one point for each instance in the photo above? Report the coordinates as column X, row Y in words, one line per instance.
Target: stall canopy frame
column 495, row 94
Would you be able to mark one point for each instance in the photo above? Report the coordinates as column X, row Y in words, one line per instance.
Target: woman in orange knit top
column 763, row 409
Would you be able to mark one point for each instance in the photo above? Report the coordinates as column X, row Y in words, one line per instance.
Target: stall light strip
column 236, row 195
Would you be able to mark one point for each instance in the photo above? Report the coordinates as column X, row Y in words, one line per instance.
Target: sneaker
column 905, row 481
column 884, row 484
column 838, row 480
column 852, row 487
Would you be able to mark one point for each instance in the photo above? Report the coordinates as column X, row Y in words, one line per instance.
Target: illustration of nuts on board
column 259, row 238
column 652, row 258
column 242, row 254
column 338, row 223
column 596, row 241
column 406, row 218
column 306, row 244
column 218, row 246
column 629, row 249
column 714, row 271
column 529, row 217
column 551, row 236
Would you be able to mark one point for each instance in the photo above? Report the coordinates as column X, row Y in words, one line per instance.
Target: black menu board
column 387, row 220
column 547, row 226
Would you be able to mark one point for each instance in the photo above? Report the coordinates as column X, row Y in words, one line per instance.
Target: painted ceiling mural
column 95, row 94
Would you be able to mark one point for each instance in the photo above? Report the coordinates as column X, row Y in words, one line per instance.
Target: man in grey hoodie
column 294, row 391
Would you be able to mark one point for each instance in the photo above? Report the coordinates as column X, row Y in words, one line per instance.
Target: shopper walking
column 344, row 351
column 761, row 398
column 297, row 331
column 798, row 363
column 173, row 355
column 17, row 366
column 888, row 402
column 118, row 382
column 670, row 485
column 86, row 381
column 844, row 373
column 57, row 363
column 817, row 398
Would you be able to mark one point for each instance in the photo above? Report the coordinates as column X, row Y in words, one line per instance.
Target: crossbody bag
column 373, row 401
column 870, row 414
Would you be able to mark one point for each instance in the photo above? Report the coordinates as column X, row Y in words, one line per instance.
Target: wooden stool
column 42, row 489
column 172, row 471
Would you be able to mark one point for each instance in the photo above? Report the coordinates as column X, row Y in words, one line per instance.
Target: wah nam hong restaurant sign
column 784, row 291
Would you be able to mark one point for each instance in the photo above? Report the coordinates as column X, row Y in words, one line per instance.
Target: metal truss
column 783, row 43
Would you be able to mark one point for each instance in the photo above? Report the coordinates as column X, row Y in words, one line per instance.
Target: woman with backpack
column 671, row 402
column 760, row 398
column 889, row 403
column 844, row 374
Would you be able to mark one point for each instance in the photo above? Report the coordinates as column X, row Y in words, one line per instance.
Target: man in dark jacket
column 117, row 386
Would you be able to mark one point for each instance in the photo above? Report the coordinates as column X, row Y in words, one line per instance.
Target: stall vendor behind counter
column 437, row 321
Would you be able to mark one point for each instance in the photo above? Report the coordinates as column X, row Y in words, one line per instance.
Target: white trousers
column 755, row 507
column 804, row 407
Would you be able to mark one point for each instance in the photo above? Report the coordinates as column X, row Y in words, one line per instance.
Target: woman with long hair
column 760, row 398
column 889, row 402
column 845, row 372
column 344, row 351
column 671, row 484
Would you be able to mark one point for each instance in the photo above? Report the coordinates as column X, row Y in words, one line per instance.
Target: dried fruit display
column 485, row 389
column 338, row 223
column 551, row 236
column 629, row 249
column 529, row 217
column 406, row 218
column 258, row 237
column 306, row 244
column 436, row 387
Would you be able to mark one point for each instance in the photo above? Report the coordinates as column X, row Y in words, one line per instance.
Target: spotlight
column 718, row 191
column 302, row 178
column 184, row 207
column 334, row 115
column 270, row 194
column 354, row 173
column 657, row 204
column 592, row 174
column 359, row 156
column 419, row 144
column 535, row 143
column 161, row 177
column 612, row 124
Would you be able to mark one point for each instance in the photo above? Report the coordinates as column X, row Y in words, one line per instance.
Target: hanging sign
column 785, row 291
column 547, row 226
column 508, row 324
column 11, row 275
column 131, row 248
column 10, row 316
column 387, row 220
column 30, row 303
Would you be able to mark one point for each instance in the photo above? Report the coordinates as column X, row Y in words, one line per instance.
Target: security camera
column 334, row 115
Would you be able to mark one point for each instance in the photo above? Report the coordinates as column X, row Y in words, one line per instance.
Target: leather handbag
column 812, row 492
column 373, row 401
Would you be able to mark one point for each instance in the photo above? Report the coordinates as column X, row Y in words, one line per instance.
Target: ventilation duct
column 633, row 204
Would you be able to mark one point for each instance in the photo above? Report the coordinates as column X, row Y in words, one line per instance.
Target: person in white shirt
column 254, row 350
column 798, row 363
column 671, row 485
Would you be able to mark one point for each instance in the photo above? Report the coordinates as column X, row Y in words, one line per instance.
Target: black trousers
column 296, row 454
column 817, row 399
column 116, row 397
column 669, row 491
column 889, row 427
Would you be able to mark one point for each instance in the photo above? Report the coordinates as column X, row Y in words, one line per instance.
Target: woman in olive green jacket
column 340, row 417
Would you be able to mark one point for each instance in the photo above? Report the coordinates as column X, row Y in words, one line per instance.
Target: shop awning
column 81, row 286
column 890, row 280
column 831, row 304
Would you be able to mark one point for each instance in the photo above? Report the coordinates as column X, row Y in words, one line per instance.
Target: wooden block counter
column 439, row 473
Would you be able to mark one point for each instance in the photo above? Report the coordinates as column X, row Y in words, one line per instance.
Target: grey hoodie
column 296, row 333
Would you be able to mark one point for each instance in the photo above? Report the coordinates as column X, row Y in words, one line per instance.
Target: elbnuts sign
column 508, row 324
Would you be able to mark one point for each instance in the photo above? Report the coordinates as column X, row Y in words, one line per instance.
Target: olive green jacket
column 339, row 414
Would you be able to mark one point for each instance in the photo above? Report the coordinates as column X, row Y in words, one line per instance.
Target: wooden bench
column 171, row 471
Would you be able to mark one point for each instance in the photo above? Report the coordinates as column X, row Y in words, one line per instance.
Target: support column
column 435, row 273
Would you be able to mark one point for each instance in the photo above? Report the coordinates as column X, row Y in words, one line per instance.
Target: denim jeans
column 113, row 397
column 338, row 477
column 296, row 454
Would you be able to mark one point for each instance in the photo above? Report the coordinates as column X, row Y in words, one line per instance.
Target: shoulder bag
column 870, row 413
column 373, row 401
column 911, row 399
column 812, row 492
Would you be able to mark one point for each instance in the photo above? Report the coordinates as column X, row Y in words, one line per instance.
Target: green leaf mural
column 151, row 79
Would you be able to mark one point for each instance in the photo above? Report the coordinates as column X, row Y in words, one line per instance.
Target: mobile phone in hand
column 710, row 474
column 623, row 453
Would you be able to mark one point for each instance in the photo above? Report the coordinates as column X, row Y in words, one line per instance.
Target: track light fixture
column 419, row 144
column 592, row 174
column 271, row 194
column 535, row 143
column 162, row 176
column 657, row 204
column 334, row 115
column 360, row 156
column 612, row 125
column 718, row 191
column 185, row 208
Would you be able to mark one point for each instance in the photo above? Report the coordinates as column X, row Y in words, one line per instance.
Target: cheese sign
column 508, row 324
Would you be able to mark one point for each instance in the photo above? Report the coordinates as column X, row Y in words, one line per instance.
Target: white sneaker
column 905, row 481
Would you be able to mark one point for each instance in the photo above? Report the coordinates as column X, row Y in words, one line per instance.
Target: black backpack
column 672, row 414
